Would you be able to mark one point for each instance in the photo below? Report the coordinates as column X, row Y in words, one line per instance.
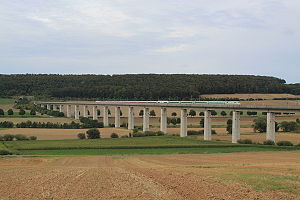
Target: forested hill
column 136, row 86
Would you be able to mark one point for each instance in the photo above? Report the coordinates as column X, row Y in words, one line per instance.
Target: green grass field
column 128, row 146
column 7, row 101
column 16, row 115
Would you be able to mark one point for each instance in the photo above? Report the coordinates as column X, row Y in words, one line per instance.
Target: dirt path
column 144, row 177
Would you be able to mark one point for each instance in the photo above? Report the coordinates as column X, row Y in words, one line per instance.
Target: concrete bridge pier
column 105, row 115
column 77, row 112
column 117, row 117
column 61, row 108
column 85, row 111
column 48, row 107
column 183, row 123
column 69, row 111
column 236, row 127
column 207, row 125
column 130, row 118
column 95, row 113
column 146, row 119
column 163, row 120
column 270, row 126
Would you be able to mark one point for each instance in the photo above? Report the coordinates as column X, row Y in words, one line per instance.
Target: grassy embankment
column 127, row 146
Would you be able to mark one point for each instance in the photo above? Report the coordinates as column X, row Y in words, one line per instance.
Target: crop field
column 7, row 101
column 255, row 175
column 143, row 145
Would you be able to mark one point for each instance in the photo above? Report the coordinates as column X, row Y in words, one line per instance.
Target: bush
column 192, row 113
column 192, row 132
column 32, row 138
column 152, row 113
column 284, row 143
column 21, row 137
column 149, row 133
column 8, row 137
column 22, row 112
column 10, row 112
column 1, row 111
column 114, row 135
column 32, row 112
column 93, row 133
column 138, row 134
column 81, row 136
column 260, row 124
column 4, row 152
column 245, row 141
column 1, row 137
column 223, row 113
column 202, row 123
column 288, row 126
column 6, row 124
column 269, row 142
column 229, row 126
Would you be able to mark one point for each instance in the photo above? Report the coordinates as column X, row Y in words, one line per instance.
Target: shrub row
column 200, row 132
column 6, row 124
column 73, row 125
column 11, row 137
column 267, row 142
column 147, row 133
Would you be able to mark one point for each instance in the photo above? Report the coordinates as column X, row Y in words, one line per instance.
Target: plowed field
column 271, row 175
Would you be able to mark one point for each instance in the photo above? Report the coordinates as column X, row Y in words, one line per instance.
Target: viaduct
column 236, row 108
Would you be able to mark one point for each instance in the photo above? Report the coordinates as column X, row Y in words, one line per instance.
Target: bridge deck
column 266, row 108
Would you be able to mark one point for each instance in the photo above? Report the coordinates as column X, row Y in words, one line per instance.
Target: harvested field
column 267, row 175
column 60, row 120
column 248, row 96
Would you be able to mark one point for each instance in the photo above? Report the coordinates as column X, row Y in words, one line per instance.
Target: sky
column 260, row 37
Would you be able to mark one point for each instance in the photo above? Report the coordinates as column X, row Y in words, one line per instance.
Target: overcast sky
column 260, row 37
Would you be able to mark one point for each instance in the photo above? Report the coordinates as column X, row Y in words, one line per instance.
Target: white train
column 176, row 102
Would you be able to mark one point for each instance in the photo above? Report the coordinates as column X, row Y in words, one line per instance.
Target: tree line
column 136, row 86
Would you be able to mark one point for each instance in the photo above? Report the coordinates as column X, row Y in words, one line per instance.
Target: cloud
column 172, row 49
column 195, row 36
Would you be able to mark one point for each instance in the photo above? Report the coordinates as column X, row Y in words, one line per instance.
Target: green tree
column 288, row 126
column 201, row 114
column 202, row 123
column 1, row 111
column 32, row 112
column 152, row 113
column 213, row 112
column 260, row 125
column 174, row 121
column 229, row 126
column 93, row 133
column 10, row 112
column 174, row 114
column 192, row 113
column 81, row 136
column 22, row 112
column 223, row 113
column 141, row 113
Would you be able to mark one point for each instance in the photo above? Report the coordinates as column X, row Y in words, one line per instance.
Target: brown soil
column 60, row 120
column 248, row 96
column 145, row 177
column 61, row 134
